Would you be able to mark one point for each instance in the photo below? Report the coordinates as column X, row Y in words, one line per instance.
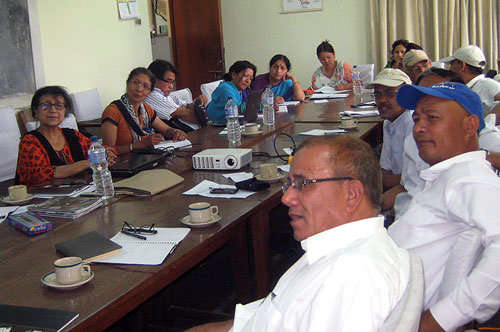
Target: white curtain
column 439, row 26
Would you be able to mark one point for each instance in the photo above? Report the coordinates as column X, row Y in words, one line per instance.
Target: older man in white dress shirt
column 461, row 192
column 352, row 274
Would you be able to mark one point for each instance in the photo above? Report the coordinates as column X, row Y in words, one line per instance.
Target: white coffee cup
column 17, row 193
column 268, row 171
column 202, row 212
column 251, row 128
column 348, row 122
column 70, row 270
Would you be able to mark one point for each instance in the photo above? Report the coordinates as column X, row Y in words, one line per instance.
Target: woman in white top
column 336, row 74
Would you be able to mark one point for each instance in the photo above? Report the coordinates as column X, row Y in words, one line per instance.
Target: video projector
column 222, row 158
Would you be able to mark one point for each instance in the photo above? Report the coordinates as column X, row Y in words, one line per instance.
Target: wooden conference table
column 116, row 290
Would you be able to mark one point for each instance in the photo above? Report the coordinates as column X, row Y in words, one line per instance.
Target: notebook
column 34, row 319
column 90, row 247
column 151, row 251
column 130, row 164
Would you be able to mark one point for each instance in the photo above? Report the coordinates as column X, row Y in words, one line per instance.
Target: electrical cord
column 276, row 149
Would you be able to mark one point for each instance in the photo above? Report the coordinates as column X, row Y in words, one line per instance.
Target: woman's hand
column 278, row 100
column 203, row 99
column 178, row 135
column 151, row 140
column 111, row 155
column 313, row 81
column 341, row 87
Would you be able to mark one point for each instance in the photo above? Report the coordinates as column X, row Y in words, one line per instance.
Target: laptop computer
column 130, row 164
column 253, row 106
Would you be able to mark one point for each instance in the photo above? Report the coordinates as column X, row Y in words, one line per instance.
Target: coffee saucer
column 186, row 220
column 349, row 128
column 7, row 200
column 251, row 134
column 50, row 280
column 271, row 180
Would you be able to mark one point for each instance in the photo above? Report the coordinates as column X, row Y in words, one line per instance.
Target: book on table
column 66, row 207
column 21, row 319
column 89, row 247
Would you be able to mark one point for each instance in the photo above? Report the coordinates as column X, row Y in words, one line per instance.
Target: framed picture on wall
column 296, row 6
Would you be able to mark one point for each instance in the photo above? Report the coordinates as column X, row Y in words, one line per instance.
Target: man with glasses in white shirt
column 352, row 274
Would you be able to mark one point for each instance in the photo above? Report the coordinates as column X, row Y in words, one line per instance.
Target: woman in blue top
column 239, row 78
column 283, row 83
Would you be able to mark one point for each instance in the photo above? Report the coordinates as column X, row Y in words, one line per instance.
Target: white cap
column 390, row 77
column 412, row 57
column 471, row 55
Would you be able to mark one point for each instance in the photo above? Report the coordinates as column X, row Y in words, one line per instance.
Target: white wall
column 85, row 45
column 255, row 30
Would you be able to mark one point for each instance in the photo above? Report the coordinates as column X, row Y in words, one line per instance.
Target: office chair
column 9, row 143
column 87, row 105
column 405, row 317
column 208, row 88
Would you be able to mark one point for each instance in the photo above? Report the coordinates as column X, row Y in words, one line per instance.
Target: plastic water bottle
column 357, row 82
column 267, row 106
column 100, row 173
column 233, row 125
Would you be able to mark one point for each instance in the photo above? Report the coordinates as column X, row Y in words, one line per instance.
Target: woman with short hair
column 51, row 152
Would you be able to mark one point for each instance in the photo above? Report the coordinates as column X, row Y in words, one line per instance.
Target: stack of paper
column 66, row 207
column 63, row 190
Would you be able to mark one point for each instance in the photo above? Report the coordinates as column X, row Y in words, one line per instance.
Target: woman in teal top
column 239, row 78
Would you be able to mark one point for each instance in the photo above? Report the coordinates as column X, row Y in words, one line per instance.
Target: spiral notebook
column 151, row 251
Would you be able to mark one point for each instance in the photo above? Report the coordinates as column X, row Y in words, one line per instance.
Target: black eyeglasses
column 168, row 82
column 48, row 106
column 300, row 184
column 386, row 94
column 144, row 229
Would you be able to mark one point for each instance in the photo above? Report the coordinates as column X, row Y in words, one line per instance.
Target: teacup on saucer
column 186, row 220
column 49, row 280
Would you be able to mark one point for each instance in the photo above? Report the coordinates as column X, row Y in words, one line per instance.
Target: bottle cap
column 94, row 139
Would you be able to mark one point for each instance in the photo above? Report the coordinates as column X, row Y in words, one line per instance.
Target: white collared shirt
column 349, row 279
column 391, row 158
column 164, row 106
column 487, row 89
column 489, row 139
column 459, row 193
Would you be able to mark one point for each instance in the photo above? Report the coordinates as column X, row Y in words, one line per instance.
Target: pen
column 134, row 235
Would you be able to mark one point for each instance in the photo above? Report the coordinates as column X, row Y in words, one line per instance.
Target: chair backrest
column 87, row 105
column 208, row 88
column 463, row 257
column 367, row 72
column 183, row 94
column 9, row 143
column 438, row 64
column 405, row 317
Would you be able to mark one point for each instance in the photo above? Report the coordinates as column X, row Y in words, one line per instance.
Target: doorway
column 197, row 43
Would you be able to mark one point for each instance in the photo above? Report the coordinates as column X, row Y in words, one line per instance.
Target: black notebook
column 90, row 246
column 22, row 319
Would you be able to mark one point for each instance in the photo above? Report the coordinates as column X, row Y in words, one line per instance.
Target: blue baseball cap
column 409, row 96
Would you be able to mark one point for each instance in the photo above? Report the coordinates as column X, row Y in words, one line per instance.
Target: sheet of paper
column 5, row 210
column 320, row 132
column 284, row 168
column 288, row 151
column 321, row 101
column 328, row 95
column 151, row 251
column 282, row 109
column 172, row 144
column 329, row 89
column 237, row 177
column 360, row 114
column 224, row 131
column 291, row 103
column 363, row 106
column 203, row 189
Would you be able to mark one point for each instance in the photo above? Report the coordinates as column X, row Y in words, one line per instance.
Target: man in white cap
column 461, row 193
column 397, row 122
column 468, row 62
column 416, row 62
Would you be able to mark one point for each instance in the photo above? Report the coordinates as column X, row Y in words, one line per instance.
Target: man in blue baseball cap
column 461, row 194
